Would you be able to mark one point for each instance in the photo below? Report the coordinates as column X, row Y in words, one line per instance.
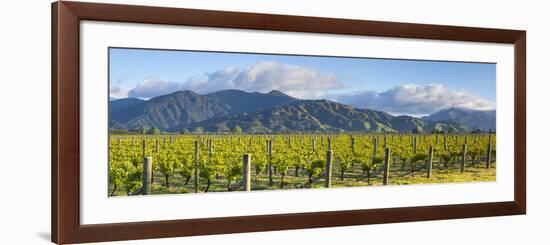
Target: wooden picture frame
column 65, row 181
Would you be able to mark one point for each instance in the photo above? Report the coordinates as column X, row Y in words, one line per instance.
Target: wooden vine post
column 387, row 162
column 463, row 164
column 328, row 170
column 267, row 152
column 270, row 168
column 488, row 165
column 196, row 167
column 246, row 172
column 146, row 175
column 429, row 163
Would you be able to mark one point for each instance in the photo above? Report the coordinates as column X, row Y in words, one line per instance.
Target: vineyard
column 161, row 164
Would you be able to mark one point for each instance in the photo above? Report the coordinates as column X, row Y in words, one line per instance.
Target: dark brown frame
column 66, row 227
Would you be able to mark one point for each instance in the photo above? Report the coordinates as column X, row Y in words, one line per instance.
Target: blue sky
column 396, row 86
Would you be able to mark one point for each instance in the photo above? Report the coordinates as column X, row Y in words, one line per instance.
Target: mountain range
column 275, row 112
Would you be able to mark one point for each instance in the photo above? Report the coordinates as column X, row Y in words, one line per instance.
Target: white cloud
column 213, row 81
column 298, row 81
column 307, row 83
column 152, row 87
column 412, row 99
column 117, row 92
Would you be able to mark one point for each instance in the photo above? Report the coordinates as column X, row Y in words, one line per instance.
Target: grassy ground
column 353, row 177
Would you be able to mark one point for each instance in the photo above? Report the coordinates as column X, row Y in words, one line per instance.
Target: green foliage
column 166, row 160
column 417, row 160
column 237, row 129
column 297, row 158
column 185, row 165
column 345, row 159
column 315, row 168
column 446, row 157
column 292, row 153
column 259, row 161
column 124, row 169
column 142, row 129
column 419, row 157
column 232, row 169
column 154, row 130
column 198, row 130
column 281, row 162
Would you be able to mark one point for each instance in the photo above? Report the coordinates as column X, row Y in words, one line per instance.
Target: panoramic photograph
column 183, row 122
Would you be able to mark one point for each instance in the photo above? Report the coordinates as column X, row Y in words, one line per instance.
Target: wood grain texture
column 520, row 150
column 54, row 139
column 66, row 227
column 67, row 125
column 273, row 22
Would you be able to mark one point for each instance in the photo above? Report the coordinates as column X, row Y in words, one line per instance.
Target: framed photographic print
column 176, row 122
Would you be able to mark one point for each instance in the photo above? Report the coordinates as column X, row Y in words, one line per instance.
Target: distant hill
column 474, row 119
column 124, row 110
column 119, row 104
column 275, row 112
column 319, row 116
column 302, row 115
column 240, row 101
column 173, row 111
